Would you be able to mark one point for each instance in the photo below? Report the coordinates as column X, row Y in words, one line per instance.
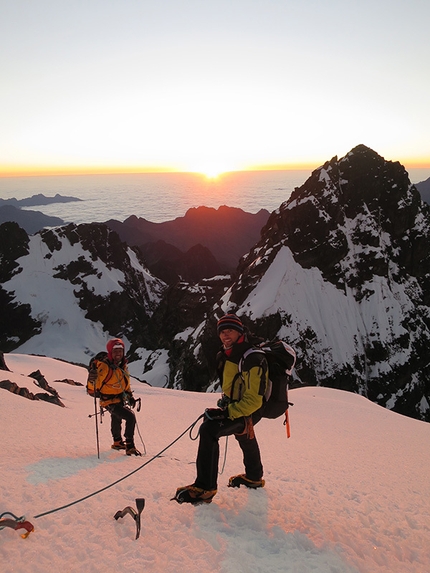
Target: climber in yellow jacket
column 111, row 381
column 239, row 409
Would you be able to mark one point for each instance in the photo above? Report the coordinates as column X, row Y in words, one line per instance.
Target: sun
column 212, row 173
column 210, row 170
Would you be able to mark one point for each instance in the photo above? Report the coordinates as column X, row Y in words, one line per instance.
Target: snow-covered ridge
column 73, row 279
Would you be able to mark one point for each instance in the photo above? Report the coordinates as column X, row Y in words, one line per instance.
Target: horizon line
column 30, row 171
column 46, row 172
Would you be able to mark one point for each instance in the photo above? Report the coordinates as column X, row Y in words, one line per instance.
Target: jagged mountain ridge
column 173, row 250
column 172, row 265
column 228, row 233
column 79, row 277
column 343, row 271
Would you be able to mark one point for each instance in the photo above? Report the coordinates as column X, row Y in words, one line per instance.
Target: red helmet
column 114, row 343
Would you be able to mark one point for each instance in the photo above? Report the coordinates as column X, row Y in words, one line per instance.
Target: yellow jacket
column 112, row 382
column 245, row 391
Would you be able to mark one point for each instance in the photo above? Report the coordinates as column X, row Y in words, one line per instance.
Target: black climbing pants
column 118, row 413
column 208, row 452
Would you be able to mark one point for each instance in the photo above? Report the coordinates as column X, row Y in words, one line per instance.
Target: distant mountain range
column 30, row 221
column 218, row 239
column 424, row 190
column 341, row 270
column 203, row 243
column 38, row 199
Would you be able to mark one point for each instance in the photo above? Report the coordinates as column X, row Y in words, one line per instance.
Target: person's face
column 229, row 336
column 117, row 354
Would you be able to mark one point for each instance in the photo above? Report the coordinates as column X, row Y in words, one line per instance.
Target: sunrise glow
column 211, row 170
column 212, row 173
column 236, row 86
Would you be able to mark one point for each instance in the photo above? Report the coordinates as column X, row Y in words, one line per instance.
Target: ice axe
column 140, row 504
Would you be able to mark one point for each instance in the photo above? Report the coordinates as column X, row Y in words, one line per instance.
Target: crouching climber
column 239, row 410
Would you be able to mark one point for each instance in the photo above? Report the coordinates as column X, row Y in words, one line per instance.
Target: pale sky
column 211, row 85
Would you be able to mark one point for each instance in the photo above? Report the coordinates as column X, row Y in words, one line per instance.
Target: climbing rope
column 141, row 439
column 225, row 457
column 189, row 429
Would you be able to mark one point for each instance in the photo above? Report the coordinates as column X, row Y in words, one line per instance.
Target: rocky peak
column 348, row 256
column 353, row 218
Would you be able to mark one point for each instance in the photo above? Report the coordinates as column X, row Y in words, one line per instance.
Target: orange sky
column 21, row 171
column 210, row 87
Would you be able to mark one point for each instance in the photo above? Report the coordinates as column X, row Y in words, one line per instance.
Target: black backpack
column 100, row 356
column 281, row 359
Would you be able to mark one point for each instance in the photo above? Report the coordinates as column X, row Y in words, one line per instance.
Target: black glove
column 223, row 402
column 131, row 400
column 216, row 414
column 92, row 375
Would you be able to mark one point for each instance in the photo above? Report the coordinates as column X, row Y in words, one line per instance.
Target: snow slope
column 60, row 298
column 348, row 492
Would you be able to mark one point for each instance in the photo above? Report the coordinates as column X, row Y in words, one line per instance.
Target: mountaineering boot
column 194, row 495
column 118, row 445
column 241, row 479
column 131, row 450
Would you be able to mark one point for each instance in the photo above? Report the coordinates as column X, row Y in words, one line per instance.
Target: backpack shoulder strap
column 238, row 375
column 102, row 357
column 252, row 350
column 107, row 378
column 265, row 392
